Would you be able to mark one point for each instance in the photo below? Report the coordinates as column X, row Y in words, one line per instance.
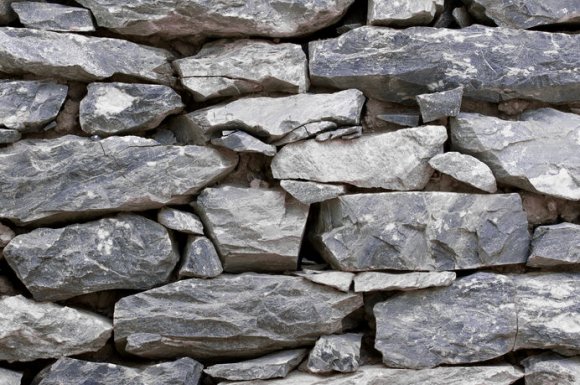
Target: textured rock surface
column 71, row 175
column 267, row 313
column 346, row 133
column 549, row 368
column 200, row 259
column 312, row 192
column 339, row 280
column 125, row 252
column 9, row 136
column 395, row 160
column 120, row 108
column 241, row 141
column 54, row 17
column 539, row 153
column 555, row 245
column 253, row 229
column 440, row 104
column 181, row 221
column 422, row 231
column 9, row 377
column 237, row 67
column 403, row 13
column 306, row 131
column 335, row 353
column 30, row 330
column 414, row 61
column 466, row 169
column 6, row 13
column 374, row 281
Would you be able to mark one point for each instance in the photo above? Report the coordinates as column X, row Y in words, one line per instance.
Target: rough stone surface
column 31, row 330
column 53, row 17
column 335, row 353
column 555, row 245
column 403, row 13
column 267, row 313
column 400, row 64
column 307, row 131
column 394, row 160
column 241, row 141
column 70, row 175
column 375, row 281
column 312, row 192
column 121, row 108
column 539, row 153
column 124, row 252
column 200, row 259
column 466, row 169
column 440, row 104
column 9, row 136
column 405, row 120
column 181, row 221
column 6, row 235
column 6, row 13
column 9, row 377
column 237, row 67
column 550, row 368
column 422, row 231
column 253, row 229
column 339, row 280
column 81, row 58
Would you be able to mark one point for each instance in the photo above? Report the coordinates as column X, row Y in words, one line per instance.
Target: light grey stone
column 550, row 368
column 6, row 235
column 335, row 353
column 555, row 245
column 121, row 108
column 275, row 365
column 53, row 17
column 230, row 316
column 395, row 160
column 306, row 131
column 340, row 280
column 32, row 330
column 70, row 176
column 405, row 120
column 181, row 221
column 236, row 67
column 538, row 153
column 440, row 104
column 200, row 259
column 403, row 13
column 400, row 64
column 375, row 281
column 312, row 192
column 466, row 169
column 9, row 136
column 9, row 377
column 241, row 141
column 124, row 252
column 345, row 133
column 80, row 58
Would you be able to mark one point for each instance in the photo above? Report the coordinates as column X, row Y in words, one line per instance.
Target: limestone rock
column 375, row 281
column 9, row 136
column 253, row 229
column 307, row 131
column 394, row 160
column 345, row 133
column 53, row 17
column 539, row 153
column 466, row 169
column 312, row 192
column 81, row 58
column 440, row 104
column 555, row 245
column 231, row 316
column 241, row 141
column 550, row 368
column 70, row 176
column 181, row 221
column 400, row 64
column 403, row 13
column 121, row 108
column 340, row 280
column 200, row 259
column 124, row 252
column 31, row 330
column 335, row 353
column 237, row 67
column 9, row 377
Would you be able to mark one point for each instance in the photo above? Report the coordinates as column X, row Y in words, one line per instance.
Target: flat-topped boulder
column 403, row 13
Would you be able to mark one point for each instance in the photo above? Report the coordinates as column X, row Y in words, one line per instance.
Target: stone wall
column 290, row 192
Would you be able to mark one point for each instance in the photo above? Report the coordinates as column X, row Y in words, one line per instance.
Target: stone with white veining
column 200, row 259
column 377, row 281
column 335, row 353
column 466, row 169
column 181, row 221
column 307, row 131
column 7, row 15
column 53, row 17
column 312, row 192
column 403, row 13
column 551, row 368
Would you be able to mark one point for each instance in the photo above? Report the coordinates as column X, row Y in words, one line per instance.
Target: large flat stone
column 555, row 245
column 550, row 368
column 6, row 13
column 377, row 281
column 53, row 17
column 335, row 353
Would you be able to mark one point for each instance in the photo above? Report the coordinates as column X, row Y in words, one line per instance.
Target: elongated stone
column 466, row 169
column 403, row 13
column 200, row 259
column 241, row 141
column 9, row 377
column 231, row 316
column 53, row 17
column 307, row 131
column 312, row 192
column 440, row 104
column 9, row 136
column 340, row 280
column 335, row 353
column 375, row 281
column 550, row 368
column 555, row 245
column 181, row 221
column 83, row 176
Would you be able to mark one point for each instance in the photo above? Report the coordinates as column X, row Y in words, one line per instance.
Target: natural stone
column 241, row 141
column 124, row 252
column 53, row 17
column 405, row 120
column 539, row 153
column 403, row 13
column 340, row 280
column 6, row 235
column 307, row 131
column 181, row 221
column 201, row 318
column 440, row 104
column 312, row 192
column 31, row 330
column 121, row 108
column 550, row 368
column 84, row 176
column 9, row 377
column 555, row 245
column 7, row 15
column 461, row 17
column 335, row 353
column 237, row 67
column 394, row 160
column 345, row 133
column 9, row 136
column 466, row 169
column 200, row 259
column 375, row 281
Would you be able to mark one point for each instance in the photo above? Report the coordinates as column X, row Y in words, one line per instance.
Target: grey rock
column 550, row 368
column 405, row 120
column 181, row 221
column 345, row 133
column 539, row 153
column 555, row 245
column 306, row 131
column 80, row 58
column 121, row 108
column 237, row 67
column 9, row 377
column 340, row 280
column 312, row 192
column 462, row 17
column 9, row 136
column 184, row 371
column 335, row 353
column 466, row 169
column 84, row 176
column 28, row 105
column 375, row 281
column 7, row 15
column 231, row 316
column 440, row 104
column 275, row 365
column 125, row 252
column 253, row 229
column 241, row 141
column 422, row 231
column 6, row 235
column 400, row 64
column 200, row 259
column 403, row 13
column 394, row 160
column 54, row 17
column 31, row 330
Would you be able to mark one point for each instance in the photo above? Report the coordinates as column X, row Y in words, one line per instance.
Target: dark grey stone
column 7, row 15
column 340, row 280
column 53, row 17
column 241, row 141
column 9, row 136
column 378, row 281
column 335, row 353
column 312, row 192
column 555, row 245
column 440, row 104
column 403, row 13
column 405, row 120
column 550, row 369
column 200, row 259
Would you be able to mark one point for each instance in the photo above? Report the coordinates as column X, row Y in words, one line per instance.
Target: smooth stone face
column 201, row 259
column 440, row 104
column 181, row 221
column 28, row 105
column 309, row 130
column 466, row 169
column 184, row 371
column 240, row 141
column 9, row 136
column 80, row 58
column 374, row 281
column 555, row 245
column 312, row 192
column 83, row 176
column 550, row 368
column 275, row 365
column 237, row 67
column 231, row 316
column 31, row 330
column 400, row 64
column 402, row 13
column 539, row 153
column 54, row 17
column 394, row 160
column 6, row 235
column 422, row 231
column 253, row 229
column 340, row 280
column 406, row 120
column 124, row 252
column 121, row 108
column 335, row 353
column 9, row 377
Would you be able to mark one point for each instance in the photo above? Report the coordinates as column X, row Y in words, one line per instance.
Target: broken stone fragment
column 53, row 17
column 312, row 192
column 200, row 259
column 405, row 120
column 555, row 245
column 9, row 136
column 181, row 221
column 550, row 368
column 335, row 353
column 9, row 377
column 440, row 104
column 403, row 13
column 307, row 131
column 240, row 141
column 340, row 280
column 375, row 281
column 466, row 169
column 345, row 133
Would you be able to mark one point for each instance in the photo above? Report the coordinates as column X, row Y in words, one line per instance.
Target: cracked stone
column 375, row 281
column 54, row 17
column 335, row 353
column 240, row 141
column 403, row 13
column 200, row 259
column 181, row 221
column 340, row 280
column 307, row 131
column 440, row 104
column 466, row 169
column 405, row 120
column 556, row 245
column 550, row 368
column 312, row 192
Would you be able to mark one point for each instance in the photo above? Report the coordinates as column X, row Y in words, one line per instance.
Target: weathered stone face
column 440, row 104
column 375, row 281
column 555, row 245
column 200, row 259
column 9, row 136
column 182, row 221
column 335, row 353
column 312, row 192
column 405, row 13
column 550, row 368
column 466, row 169
column 53, row 17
